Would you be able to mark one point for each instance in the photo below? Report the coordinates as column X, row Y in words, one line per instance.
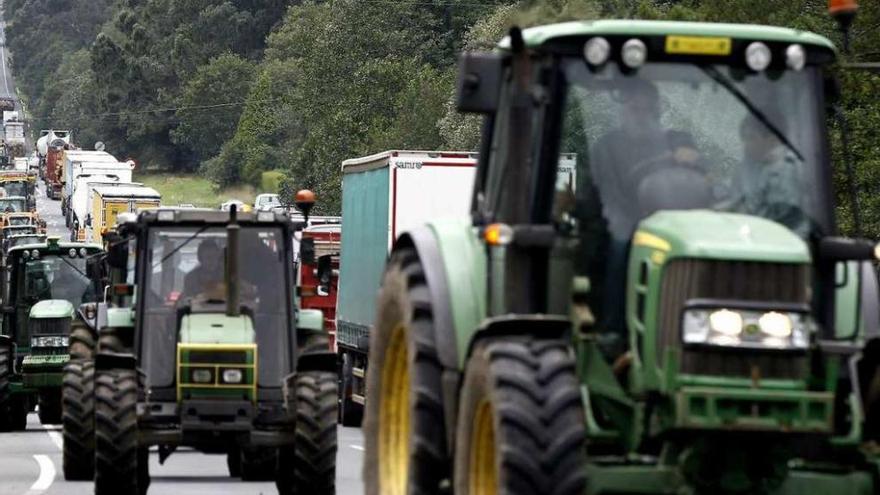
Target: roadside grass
column 178, row 189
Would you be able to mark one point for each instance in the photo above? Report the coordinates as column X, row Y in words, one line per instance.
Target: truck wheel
column 20, row 407
column 82, row 341
column 404, row 422
column 5, row 392
column 520, row 429
column 116, row 443
column 258, row 463
column 78, row 420
column 50, row 407
column 233, row 461
column 309, row 466
column 350, row 412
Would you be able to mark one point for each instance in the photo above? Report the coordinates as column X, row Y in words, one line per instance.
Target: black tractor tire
column 5, row 390
column 258, row 463
column 350, row 412
column 78, row 420
column 20, row 407
column 110, row 341
column 50, row 407
column 309, row 466
column 82, row 341
column 521, row 421
column 403, row 340
column 116, row 437
column 233, row 461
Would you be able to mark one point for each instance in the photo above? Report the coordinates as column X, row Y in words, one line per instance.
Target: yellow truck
column 109, row 201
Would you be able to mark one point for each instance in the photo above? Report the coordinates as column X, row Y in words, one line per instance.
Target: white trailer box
column 84, row 185
column 9, row 115
column 14, row 132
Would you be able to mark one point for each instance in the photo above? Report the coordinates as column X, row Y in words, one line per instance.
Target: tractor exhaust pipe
column 233, row 297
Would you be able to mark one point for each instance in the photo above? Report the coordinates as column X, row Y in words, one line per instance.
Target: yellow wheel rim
column 394, row 422
column 483, row 478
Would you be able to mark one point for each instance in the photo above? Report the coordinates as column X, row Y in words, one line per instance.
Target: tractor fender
column 115, row 360
column 452, row 257
column 539, row 326
column 317, row 361
column 6, row 341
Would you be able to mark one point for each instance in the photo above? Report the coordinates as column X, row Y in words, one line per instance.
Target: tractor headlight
column 49, row 341
column 232, row 376
column 202, row 376
column 753, row 329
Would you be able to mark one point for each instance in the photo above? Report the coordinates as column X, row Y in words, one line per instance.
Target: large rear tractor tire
column 520, row 427
column 5, row 391
column 310, row 465
column 82, row 341
column 233, row 462
column 116, row 438
column 404, row 422
column 350, row 412
column 50, row 407
column 78, row 420
column 258, row 463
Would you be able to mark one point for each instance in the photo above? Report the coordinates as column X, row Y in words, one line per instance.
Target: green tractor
column 678, row 317
column 44, row 282
column 199, row 345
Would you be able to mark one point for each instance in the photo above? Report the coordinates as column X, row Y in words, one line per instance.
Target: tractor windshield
column 185, row 270
column 13, row 189
column 681, row 136
column 18, row 221
column 10, row 205
column 57, row 277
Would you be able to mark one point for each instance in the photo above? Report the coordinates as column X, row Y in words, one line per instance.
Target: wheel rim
column 394, row 420
column 483, row 476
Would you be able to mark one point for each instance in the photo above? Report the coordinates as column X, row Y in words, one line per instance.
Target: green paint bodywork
column 188, row 389
column 710, row 234
column 52, row 308
column 120, row 317
column 537, row 36
column 213, row 328
column 310, row 319
column 464, row 258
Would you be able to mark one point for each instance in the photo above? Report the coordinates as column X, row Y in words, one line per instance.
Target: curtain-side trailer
column 382, row 195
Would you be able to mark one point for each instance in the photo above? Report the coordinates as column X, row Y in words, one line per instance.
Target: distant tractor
column 208, row 355
column 44, row 283
column 680, row 319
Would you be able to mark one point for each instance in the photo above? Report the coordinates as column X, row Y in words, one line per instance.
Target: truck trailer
column 72, row 164
column 383, row 195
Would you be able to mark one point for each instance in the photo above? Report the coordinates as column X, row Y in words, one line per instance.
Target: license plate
column 697, row 45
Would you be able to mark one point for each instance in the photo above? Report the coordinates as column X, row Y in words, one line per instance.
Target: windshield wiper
column 178, row 248
column 73, row 266
column 756, row 112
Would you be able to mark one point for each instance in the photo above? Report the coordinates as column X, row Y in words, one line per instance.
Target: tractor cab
column 19, row 184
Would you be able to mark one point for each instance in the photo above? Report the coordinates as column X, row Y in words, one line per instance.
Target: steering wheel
column 674, row 180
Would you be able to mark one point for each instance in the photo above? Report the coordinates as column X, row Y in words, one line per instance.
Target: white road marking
column 47, row 474
column 3, row 63
column 56, row 437
column 357, row 447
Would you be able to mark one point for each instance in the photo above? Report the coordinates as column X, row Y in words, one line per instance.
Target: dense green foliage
column 236, row 88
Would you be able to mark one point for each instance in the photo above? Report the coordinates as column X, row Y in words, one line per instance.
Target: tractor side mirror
column 844, row 249
column 479, row 82
column 325, row 274
column 117, row 256
column 307, row 251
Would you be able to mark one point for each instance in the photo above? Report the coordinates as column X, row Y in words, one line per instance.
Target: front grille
column 50, row 326
column 218, row 357
column 686, row 279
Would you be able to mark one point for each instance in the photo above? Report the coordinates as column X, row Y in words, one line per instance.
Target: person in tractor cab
column 768, row 183
column 209, row 271
column 638, row 148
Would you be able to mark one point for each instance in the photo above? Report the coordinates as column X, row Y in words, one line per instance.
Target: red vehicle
column 318, row 270
column 53, row 172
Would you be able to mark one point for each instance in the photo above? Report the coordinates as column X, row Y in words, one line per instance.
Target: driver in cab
column 208, row 273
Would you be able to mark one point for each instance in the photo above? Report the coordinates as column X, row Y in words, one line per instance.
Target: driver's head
column 640, row 107
column 209, row 253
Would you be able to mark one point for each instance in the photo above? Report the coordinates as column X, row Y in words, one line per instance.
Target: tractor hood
column 52, row 308
column 211, row 328
column 710, row 234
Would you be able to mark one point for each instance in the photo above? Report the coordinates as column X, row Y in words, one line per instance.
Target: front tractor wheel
column 116, row 439
column 78, row 420
column 521, row 423
column 309, row 466
column 404, row 421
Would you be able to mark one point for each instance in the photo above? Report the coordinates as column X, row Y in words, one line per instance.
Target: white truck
column 9, row 115
column 382, row 195
column 72, row 162
column 51, row 138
